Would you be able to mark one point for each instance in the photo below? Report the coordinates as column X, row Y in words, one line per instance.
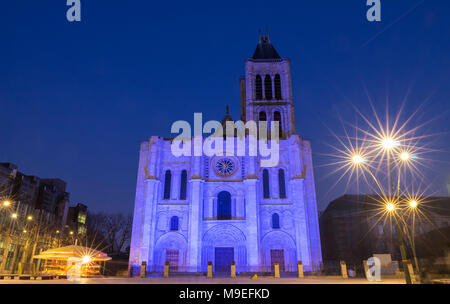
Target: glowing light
column 14, row 215
column 358, row 159
column 24, row 231
column 57, row 231
column 390, row 207
column 388, row 143
column 6, row 203
column 29, row 218
column 405, row 156
column 413, row 204
column 86, row 259
column 71, row 232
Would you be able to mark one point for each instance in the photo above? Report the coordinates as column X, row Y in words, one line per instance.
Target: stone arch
column 162, row 221
column 279, row 240
column 268, row 114
column 224, row 235
column 171, row 240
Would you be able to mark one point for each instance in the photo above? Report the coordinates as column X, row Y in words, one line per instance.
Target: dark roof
column 265, row 49
column 351, row 203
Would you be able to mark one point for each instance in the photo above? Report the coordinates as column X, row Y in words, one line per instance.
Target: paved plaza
column 115, row 280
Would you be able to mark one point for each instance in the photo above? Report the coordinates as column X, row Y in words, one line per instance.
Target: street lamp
column 388, row 143
column 6, row 203
column 390, row 207
column 14, row 215
column 29, row 218
column 357, row 159
column 86, row 259
column 413, row 204
column 405, row 156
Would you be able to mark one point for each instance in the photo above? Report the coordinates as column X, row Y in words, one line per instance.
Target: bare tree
column 113, row 230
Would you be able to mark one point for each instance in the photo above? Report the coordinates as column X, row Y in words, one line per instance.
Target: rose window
column 225, row 166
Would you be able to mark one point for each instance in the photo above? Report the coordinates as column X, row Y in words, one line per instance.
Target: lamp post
column 390, row 207
column 413, row 204
column 389, row 144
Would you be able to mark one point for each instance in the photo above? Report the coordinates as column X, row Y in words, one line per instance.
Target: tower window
column 282, row 183
column 277, row 82
column 275, row 221
column 174, row 223
column 262, row 116
column 277, row 117
column 167, row 182
column 224, row 206
column 266, row 191
column 268, row 87
column 183, row 186
column 258, row 87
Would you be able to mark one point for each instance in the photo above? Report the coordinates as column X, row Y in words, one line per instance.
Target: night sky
column 76, row 99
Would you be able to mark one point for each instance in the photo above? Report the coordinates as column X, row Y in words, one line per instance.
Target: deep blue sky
column 76, row 99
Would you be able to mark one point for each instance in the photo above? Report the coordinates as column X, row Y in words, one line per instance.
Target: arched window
column 183, row 185
column 275, row 221
column 262, row 134
column 258, row 87
column 266, row 191
column 174, row 223
column 277, row 117
column 262, row 116
column 167, row 182
column 281, row 183
column 277, row 82
column 268, row 87
column 224, row 206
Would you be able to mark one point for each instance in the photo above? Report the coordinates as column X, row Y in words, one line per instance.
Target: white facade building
column 191, row 210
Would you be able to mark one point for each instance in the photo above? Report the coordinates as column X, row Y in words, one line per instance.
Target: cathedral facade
column 191, row 210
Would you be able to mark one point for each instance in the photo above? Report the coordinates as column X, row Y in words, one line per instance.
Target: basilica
column 192, row 210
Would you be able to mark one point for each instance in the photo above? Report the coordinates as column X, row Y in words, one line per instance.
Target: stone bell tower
column 266, row 90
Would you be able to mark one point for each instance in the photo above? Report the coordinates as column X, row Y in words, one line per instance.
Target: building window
column 183, row 186
column 277, row 117
column 82, row 230
column 224, row 206
column 277, row 87
column 268, row 87
column 82, row 218
column 167, row 182
column 174, row 223
column 258, row 87
column 262, row 116
column 282, row 183
column 275, row 221
column 266, row 183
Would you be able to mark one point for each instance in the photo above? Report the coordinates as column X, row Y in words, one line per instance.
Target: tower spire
column 265, row 49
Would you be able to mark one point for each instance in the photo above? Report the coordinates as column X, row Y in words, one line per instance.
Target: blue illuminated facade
column 191, row 210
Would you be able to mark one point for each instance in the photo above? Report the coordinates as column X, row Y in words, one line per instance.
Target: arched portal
column 278, row 246
column 223, row 244
column 170, row 247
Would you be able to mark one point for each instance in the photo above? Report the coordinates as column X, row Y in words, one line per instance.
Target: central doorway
column 172, row 256
column 223, row 256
